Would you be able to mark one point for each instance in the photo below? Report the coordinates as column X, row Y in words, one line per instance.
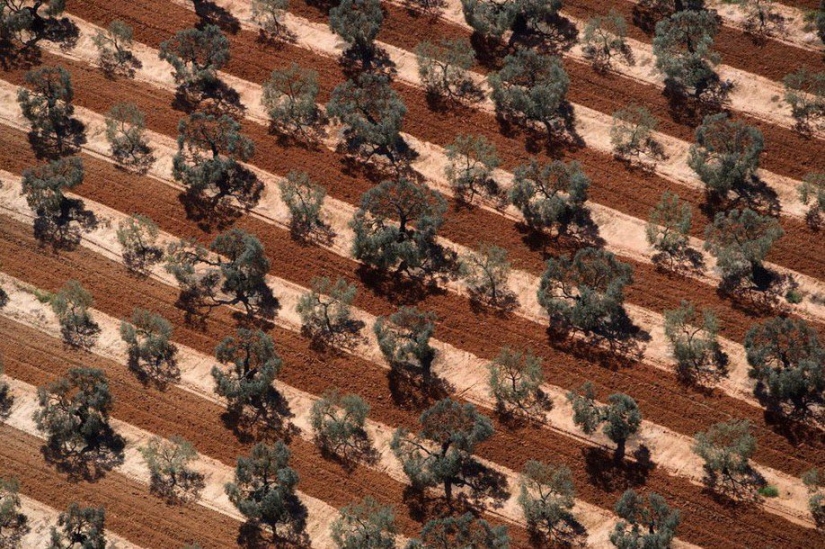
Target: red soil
column 131, row 511
column 707, row 522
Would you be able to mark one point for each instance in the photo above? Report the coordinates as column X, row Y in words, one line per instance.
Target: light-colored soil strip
column 466, row 372
column 593, row 126
column 623, row 233
column 793, row 30
column 216, row 474
column 41, row 519
column 751, row 94
column 195, row 367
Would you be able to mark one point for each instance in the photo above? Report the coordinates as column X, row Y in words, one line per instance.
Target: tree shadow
column 212, row 96
column 64, row 230
column 158, row 374
column 90, row 463
column 490, row 51
column 140, row 263
column 15, row 56
column 256, row 535
column 185, row 488
column 213, row 14
column 411, row 391
column 67, row 143
column 764, row 296
column 556, row 35
column 734, row 491
column 485, row 484
column 398, row 290
column 6, row 400
column 123, row 64
column 344, row 337
column 610, row 475
column 208, row 213
column 63, row 32
column 266, row 420
column 568, row 533
column 711, row 98
column 376, row 61
column 351, row 455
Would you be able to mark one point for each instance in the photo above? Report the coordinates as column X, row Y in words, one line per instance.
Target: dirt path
column 130, row 510
column 466, row 373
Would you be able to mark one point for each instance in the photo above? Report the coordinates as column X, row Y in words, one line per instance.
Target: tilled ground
column 634, row 192
column 566, row 365
column 707, row 522
column 131, row 511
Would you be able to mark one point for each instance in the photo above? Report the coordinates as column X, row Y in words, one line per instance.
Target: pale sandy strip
column 465, row 371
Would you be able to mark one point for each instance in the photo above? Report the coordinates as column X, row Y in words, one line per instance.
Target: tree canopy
column 462, row 531
column 196, row 55
column 726, row 449
column 547, row 497
column 396, row 225
column 788, row 362
column 444, row 445
column 683, row 47
column 585, row 293
column 620, row 418
column 647, row 523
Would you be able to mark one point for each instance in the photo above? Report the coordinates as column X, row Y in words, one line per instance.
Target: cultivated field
column 68, row 225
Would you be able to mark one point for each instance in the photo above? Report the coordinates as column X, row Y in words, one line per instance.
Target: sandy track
column 261, row 229
column 539, row 444
column 130, row 510
column 631, row 192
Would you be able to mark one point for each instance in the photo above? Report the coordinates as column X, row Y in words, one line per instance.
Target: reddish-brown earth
column 707, row 522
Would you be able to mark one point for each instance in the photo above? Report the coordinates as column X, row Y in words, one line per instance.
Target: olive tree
column 233, row 273
column 114, row 49
column 304, row 199
column 59, row 219
column 171, row 476
column 585, row 293
column 788, row 361
column 604, row 39
column 471, row 160
column 461, row 531
column 325, row 309
column 46, row 102
column 264, row 490
column 372, row 113
column 396, row 226
column 486, row 271
column 207, row 163
column 196, row 55
column 740, row 240
column 125, row 128
column 683, row 47
column 620, row 418
column 290, row 98
column 814, row 481
column 515, row 382
column 13, row 523
column 151, row 355
column 550, row 196
column 694, row 341
column 668, row 230
column 726, row 154
column 444, row 445
column 631, row 134
column 74, row 414
column 492, row 18
column 338, row 423
column 71, row 306
column 532, row 87
column 357, row 22
column 444, row 69
column 365, row 525
column 547, row 497
column 82, row 527
column 404, row 339
column 726, row 449
column 6, row 397
column 138, row 235
column 269, row 15
column 29, row 22
column 247, row 383
column 812, row 194
column 805, row 93
column 646, row 523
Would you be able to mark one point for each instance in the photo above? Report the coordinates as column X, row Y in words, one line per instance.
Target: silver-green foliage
column 693, row 338
column 547, row 497
column 365, row 525
column 338, row 423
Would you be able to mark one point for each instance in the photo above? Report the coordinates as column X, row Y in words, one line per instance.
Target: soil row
column 769, row 58
column 129, row 194
column 598, row 481
column 130, row 510
column 634, row 192
column 707, row 522
column 787, row 152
